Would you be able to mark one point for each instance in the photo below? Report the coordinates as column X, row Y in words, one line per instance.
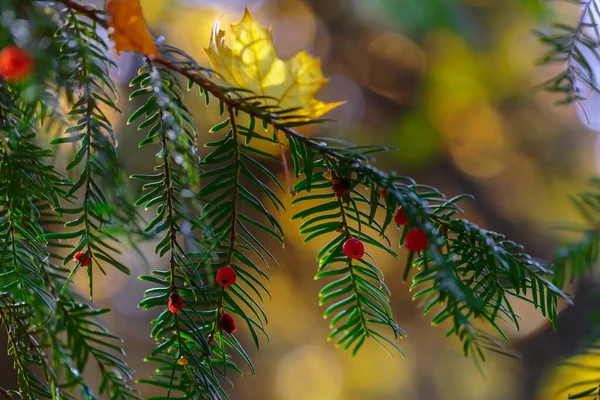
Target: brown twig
column 206, row 84
column 193, row 75
column 89, row 11
column 379, row 177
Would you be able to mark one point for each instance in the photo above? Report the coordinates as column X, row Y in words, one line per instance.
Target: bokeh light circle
column 309, row 373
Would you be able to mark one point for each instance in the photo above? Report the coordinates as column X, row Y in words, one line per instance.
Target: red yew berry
column 175, row 302
column 400, row 218
column 416, row 240
column 340, row 187
column 353, row 248
column 227, row 323
column 15, row 63
column 82, row 258
column 226, row 276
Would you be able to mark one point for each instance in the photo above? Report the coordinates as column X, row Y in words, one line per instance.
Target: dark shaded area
column 8, row 376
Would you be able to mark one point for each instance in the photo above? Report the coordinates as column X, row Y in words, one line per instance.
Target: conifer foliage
column 574, row 47
column 214, row 281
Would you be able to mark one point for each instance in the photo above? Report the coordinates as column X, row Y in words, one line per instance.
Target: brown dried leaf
column 128, row 28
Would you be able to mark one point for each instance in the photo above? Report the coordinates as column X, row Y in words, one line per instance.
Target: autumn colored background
column 451, row 84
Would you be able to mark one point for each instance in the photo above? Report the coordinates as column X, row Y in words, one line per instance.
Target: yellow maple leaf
column 251, row 62
column 128, row 29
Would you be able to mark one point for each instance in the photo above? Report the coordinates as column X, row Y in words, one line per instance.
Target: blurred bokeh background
column 451, row 84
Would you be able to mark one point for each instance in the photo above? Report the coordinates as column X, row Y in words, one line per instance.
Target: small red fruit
column 15, row 63
column 226, row 276
column 340, row 187
column 353, row 248
column 416, row 240
column 227, row 323
column 400, row 218
column 175, row 302
column 82, row 258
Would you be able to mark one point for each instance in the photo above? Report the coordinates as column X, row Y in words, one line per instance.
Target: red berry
column 175, row 302
column 226, row 276
column 15, row 63
column 416, row 240
column 227, row 323
column 82, row 258
column 86, row 261
column 340, row 187
column 400, row 218
column 353, row 248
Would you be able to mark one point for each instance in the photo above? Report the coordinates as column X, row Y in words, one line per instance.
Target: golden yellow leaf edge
column 250, row 62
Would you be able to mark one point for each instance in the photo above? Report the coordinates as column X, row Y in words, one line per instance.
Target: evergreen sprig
column 425, row 207
column 30, row 283
column 478, row 283
column 48, row 330
column 26, row 352
column 216, row 210
column 85, row 71
column 579, row 259
column 576, row 47
column 358, row 298
column 191, row 350
column 177, row 334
